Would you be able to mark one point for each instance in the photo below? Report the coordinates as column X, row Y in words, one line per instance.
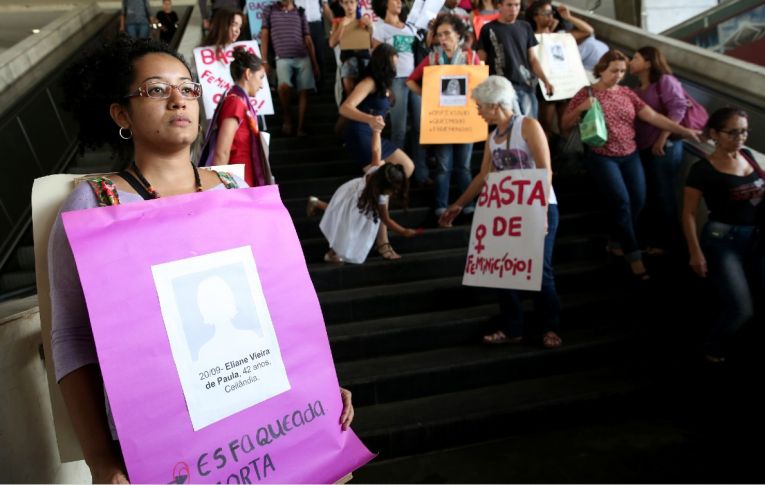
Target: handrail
column 40, row 134
column 183, row 22
column 710, row 18
column 36, row 135
column 719, row 72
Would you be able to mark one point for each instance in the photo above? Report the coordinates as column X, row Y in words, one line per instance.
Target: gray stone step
column 453, row 419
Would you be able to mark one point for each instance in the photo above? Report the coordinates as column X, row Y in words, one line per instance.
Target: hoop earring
column 123, row 136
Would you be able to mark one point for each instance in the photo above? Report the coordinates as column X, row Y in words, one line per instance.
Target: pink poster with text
column 211, row 341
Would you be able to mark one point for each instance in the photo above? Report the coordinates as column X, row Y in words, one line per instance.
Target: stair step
column 453, row 419
column 14, row 280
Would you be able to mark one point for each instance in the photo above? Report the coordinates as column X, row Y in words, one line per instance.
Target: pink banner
column 164, row 280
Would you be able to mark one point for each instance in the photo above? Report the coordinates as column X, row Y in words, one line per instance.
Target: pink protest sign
column 213, row 67
column 507, row 237
column 211, row 340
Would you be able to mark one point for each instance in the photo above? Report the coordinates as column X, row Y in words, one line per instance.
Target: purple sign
column 211, row 341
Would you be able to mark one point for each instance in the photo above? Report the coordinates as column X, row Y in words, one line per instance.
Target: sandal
column 312, row 206
column 614, row 251
column 332, row 257
column 551, row 340
column 387, row 251
column 652, row 251
column 711, row 359
column 499, row 338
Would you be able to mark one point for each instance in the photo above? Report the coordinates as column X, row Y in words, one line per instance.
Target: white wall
column 28, row 450
column 660, row 15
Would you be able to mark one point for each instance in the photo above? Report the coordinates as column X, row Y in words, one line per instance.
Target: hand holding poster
column 219, row 368
column 215, row 76
column 507, row 237
column 559, row 56
column 449, row 114
column 423, row 11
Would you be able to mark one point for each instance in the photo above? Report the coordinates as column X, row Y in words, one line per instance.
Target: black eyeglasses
column 737, row 133
column 545, row 13
column 162, row 90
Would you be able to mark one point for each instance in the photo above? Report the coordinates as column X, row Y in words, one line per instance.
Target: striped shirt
column 288, row 29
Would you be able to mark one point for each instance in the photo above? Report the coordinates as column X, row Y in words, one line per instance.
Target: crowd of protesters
column 379, row 89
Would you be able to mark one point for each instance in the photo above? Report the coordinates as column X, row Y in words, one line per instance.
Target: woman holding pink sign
column 139, row 97
column 517, row 143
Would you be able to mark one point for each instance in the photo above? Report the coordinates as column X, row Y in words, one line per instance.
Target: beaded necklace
column 154, row 194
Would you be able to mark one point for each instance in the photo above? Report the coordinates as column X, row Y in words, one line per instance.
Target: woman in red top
column 616, row 165
column 238, row 138
column 449, row 31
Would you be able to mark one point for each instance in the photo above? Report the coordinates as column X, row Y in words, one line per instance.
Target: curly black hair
column 380, row 7
column 99, row 79
column 389, row 177
column 381, row 69
column 458, row 26
column 242, row 61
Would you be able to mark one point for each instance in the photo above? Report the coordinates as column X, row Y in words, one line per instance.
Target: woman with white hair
column 518, row 142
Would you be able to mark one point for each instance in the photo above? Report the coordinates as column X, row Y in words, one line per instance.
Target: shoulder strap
column 104, row 190
column 227, row 180
column 756, row 166
column 137, row 186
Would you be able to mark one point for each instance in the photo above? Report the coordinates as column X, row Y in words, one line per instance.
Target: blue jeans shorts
column 296, row 73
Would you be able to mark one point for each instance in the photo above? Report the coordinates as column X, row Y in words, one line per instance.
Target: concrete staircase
column 405, row 334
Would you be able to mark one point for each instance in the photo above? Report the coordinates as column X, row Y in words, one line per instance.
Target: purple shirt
column 287, row 29
column 666, row 97
column 71, row 336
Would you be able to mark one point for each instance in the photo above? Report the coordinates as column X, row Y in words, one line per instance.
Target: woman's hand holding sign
column 448, row 215
column 346, row 417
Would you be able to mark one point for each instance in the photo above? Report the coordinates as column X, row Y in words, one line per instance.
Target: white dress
column 350, row 233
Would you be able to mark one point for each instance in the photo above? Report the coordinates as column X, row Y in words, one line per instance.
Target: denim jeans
column 408, row 102
column 137, row 30
column 622, row 181
column 546, row 302
column 452, row 158
column 736, row 270
column 528, row 104
column 662, row 217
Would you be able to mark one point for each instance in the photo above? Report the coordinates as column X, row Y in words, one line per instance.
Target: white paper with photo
column 423, row 11
column 221, row 334
column 562, row 64
column 454, row 91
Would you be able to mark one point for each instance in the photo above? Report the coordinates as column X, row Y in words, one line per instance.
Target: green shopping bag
column 593, row 126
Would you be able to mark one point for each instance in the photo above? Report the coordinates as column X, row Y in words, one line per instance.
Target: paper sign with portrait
column 213, row 68
column 507, row 237
column 449, row 114
column 355, row 37
column 562, row 64
column 48, row 194
column 211, row 341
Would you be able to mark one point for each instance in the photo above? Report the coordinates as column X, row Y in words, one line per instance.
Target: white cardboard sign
column 214, row 74
column 507, row 238
column 562, row 64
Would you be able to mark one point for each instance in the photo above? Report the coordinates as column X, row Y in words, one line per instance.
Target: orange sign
column 449, row 114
